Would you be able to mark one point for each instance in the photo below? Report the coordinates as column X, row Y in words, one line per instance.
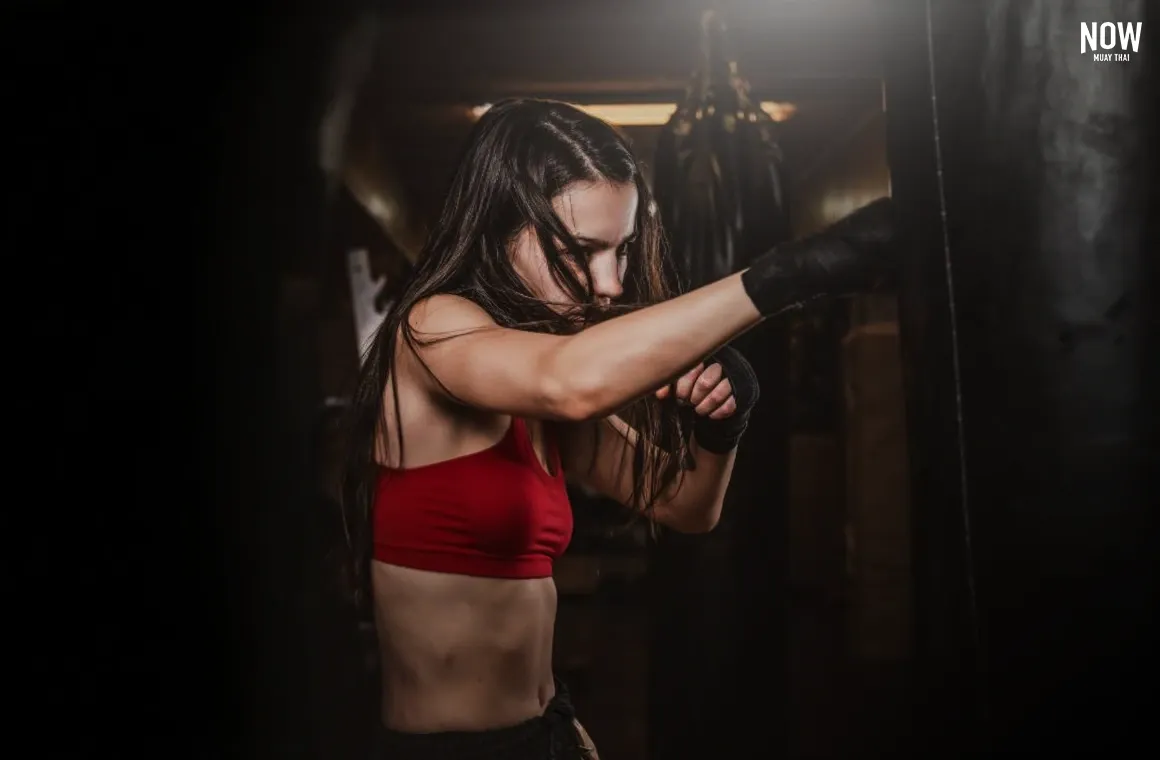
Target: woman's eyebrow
column 602, row 244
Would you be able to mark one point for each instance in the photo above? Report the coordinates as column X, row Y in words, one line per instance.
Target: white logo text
column 1095, row 37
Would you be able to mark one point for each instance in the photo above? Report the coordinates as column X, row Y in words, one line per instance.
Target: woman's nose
column 606, row 283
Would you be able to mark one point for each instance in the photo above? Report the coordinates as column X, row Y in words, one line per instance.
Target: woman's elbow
column 572, row 395
column 691, row 521
column 701, row 524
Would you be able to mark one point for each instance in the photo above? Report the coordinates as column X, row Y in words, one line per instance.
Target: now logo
column 1121, row 35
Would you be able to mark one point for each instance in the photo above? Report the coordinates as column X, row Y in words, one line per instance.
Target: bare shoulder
column 444, row 314
column 434, row 353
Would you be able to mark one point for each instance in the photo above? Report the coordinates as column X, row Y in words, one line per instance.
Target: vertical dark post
column 1029, row 343
column 945, row 647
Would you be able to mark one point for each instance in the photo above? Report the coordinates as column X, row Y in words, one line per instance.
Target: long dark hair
column 521, row 155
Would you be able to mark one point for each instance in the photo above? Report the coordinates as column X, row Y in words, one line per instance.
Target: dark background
column 172, row 169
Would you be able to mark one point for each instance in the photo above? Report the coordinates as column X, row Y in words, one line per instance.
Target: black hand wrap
column 853, row 255
column 722, row 436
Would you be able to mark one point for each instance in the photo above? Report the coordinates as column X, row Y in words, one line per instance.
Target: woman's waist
column 481, row 694
column 481, row 657
column 552, row 732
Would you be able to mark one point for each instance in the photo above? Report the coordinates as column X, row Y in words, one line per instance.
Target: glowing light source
column 837, row 204
column 649, row 114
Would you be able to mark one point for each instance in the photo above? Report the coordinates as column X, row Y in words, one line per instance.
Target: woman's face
column 601, row 216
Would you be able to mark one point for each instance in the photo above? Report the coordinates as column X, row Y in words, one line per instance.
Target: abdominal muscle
column 461, row 653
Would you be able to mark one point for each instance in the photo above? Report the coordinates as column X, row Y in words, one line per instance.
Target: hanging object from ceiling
column 717, row 175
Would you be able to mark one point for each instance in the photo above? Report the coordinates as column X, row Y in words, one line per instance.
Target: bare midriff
column 462, row 653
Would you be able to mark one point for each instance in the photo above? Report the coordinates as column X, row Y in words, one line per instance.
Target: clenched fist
column 706, row 388
column 722, row 391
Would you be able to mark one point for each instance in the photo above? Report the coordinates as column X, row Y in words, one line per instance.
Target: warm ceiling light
column 778, row 111
column 649, row 114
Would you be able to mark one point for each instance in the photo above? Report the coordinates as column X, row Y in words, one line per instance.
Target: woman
column 498, row 373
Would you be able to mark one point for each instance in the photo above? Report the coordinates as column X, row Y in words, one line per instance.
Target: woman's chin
column 575, row 314
column 566, row 309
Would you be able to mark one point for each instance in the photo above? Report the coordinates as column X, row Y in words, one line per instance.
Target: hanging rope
column 968, row 543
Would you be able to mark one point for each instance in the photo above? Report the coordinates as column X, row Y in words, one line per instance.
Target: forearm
column 694, row 503
column 613, row 363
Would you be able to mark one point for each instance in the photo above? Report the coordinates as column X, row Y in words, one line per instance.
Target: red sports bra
column 494, row 513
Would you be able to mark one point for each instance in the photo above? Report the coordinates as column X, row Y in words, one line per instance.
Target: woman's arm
column 574, row 377
column 608, row 365
column 598, row 455
column 721, row 393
